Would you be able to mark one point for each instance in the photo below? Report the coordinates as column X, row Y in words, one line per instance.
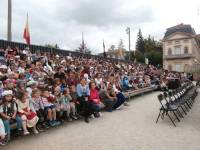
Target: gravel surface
column 131, row 128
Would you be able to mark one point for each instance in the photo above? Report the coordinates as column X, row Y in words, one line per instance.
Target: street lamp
column 129, row 43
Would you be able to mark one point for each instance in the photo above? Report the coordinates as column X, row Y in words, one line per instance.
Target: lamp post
column 9, row 28
column 129, row 41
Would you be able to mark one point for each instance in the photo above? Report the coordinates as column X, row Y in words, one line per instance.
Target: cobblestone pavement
column 131, row 128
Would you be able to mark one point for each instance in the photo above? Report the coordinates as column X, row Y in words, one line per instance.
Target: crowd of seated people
column 42, row 90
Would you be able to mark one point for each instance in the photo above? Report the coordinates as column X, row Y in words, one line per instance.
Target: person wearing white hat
column 3, row 67
column 63, row 61
column 8, row 112
column 31, row 86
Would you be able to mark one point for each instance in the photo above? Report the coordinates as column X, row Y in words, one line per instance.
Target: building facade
column 181, row 49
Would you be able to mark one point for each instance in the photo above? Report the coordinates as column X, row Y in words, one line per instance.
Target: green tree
column 152, row 45
column 137, row 55
column 149, row 48
column 155, row 57
column 140, row 46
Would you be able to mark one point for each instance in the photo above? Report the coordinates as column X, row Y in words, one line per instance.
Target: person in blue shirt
column 83, row 92
column 126, row 83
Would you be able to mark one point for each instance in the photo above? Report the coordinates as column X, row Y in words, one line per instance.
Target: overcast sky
column 63, row 21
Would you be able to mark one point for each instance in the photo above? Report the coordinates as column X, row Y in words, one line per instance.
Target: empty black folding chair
column 166, row 108
column 169, row 99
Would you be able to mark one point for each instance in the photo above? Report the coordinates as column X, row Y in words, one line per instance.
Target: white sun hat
column 32, row 82
column 3, row 67
column 7, row 92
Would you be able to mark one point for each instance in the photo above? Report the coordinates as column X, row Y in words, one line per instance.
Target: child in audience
column 29, row 118
column 74, row 97
column 49, row 107
column 8, row 112
column 31, row 86
column 37, row 107
column 57, row 95
column 68, row 105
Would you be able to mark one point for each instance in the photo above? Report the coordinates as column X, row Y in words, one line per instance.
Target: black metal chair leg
column 158, row 116
column 187, row 103
column 183, row 110
column 171, row 119
column 176, row 116
column 186, row 108
column 180, row 114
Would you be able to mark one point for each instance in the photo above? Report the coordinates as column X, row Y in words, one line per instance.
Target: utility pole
column 129, row 42
column 9, row 28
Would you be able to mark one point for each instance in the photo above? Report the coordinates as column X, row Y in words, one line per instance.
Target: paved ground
column 132, row 128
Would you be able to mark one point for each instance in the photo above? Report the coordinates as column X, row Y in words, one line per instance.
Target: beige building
column 181, row 49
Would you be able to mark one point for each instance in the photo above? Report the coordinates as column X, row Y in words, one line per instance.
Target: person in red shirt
column 94, row 99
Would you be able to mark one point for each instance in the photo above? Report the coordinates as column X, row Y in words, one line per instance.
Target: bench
column 142, row 91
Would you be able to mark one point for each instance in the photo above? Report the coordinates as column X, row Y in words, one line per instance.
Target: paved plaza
column 131, row 128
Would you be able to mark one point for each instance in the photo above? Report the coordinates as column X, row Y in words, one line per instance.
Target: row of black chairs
column 177, row 102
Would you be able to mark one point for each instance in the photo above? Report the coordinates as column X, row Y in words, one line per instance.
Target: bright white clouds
column 63, row 21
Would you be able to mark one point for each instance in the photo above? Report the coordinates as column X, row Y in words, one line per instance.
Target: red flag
column 26, row 32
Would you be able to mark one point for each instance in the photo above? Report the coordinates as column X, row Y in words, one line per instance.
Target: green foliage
column 139, row 57
column 154, row 57
column 135, row 55
column 152, row 45
column 140, row 46
column 149, row 48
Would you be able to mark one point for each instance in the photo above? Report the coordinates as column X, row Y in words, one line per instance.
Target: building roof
column 184, row 28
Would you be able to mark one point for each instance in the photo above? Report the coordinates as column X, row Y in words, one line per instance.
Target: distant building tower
column 181, row 48
column 9, row 29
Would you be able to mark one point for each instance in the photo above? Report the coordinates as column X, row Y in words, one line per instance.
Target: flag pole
column 28, row 29
column 104, row 49
column 83, row 44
